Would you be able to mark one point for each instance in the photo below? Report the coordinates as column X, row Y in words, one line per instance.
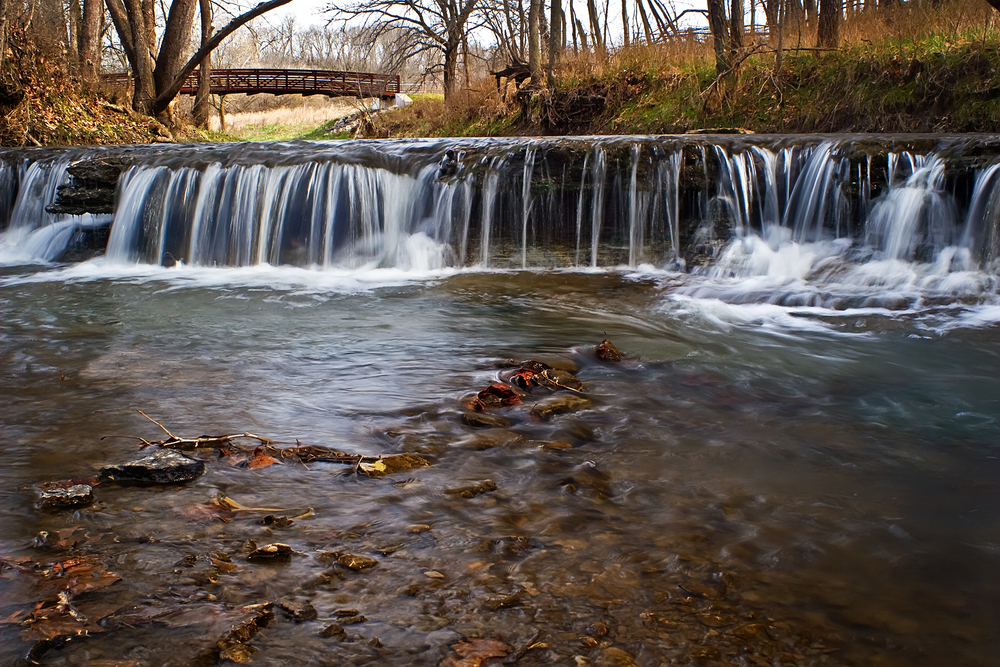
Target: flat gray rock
column 164, row 466
column 65, row 498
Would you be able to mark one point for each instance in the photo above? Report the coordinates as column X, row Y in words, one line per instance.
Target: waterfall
column 727, row 206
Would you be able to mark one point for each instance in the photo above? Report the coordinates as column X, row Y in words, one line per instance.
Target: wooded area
column 451, row 41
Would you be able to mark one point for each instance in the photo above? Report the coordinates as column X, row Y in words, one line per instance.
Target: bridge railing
column 286, row 82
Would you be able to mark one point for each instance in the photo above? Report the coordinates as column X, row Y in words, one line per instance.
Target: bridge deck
column 287, row 82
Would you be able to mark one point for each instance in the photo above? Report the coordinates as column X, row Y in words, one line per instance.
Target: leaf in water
column 378, row 467
column 208, row 512
column 498, row 395
column 261, row 459
column 474, row 652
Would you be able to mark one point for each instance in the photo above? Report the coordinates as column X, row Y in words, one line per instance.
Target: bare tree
column 419, row 26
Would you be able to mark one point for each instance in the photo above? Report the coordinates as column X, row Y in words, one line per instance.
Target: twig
column 157, row 423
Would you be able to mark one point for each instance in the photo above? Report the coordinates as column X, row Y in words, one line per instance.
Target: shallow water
column 756, row 484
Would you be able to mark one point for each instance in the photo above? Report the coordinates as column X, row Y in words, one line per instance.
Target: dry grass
column 910, row 21
column 304, row 116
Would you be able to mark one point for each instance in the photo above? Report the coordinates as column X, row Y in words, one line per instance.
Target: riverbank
column 895, row 73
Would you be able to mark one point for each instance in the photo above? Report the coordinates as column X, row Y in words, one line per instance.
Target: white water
column 792, row 227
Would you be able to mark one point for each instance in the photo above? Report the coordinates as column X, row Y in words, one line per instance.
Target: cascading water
column 807, row 215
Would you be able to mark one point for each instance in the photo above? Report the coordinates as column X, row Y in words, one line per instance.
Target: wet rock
column 350, row 561
column 57, row 497
column 607, row 351
column 490, row 438
column 497, row 395
column 481, row 420
column 504, row 601
column 388, row 465
column 560, row 404
column 165, row 466
column 703, row 654
column 298, row 610
column 556, row 445
column 272, row 552
column 91, row 188
column 472, row 491
column 335, row 630
column 613, row 656
column 276, row 521
column 558, row 379
column 751, row 631
column 87, row 242
column 510, row 546
column 346, row 613
column 588, row 476
column 353, row 620
column 598, row 629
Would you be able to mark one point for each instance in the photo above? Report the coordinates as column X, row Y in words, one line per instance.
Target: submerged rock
column 394, row 463
column 483, row 420
column 558, row 405
column 64, row 497
column 298, row 610
column 490, row 438
column 350, row 561
column 276, row 551
column 164, row 466
column 474, row 490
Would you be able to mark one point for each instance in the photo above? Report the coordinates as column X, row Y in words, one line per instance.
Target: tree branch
column 166, row 96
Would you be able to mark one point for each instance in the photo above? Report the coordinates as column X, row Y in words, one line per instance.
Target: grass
column 902, row 69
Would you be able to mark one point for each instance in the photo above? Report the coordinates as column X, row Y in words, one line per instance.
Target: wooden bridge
column 286, row 82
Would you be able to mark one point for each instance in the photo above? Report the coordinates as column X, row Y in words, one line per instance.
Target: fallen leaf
column 261, row 459
column 474, row 652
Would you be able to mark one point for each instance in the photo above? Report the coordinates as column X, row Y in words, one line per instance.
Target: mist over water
column 795, row 464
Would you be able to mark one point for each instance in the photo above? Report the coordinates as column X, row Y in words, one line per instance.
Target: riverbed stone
column 559, row 404
column 298, row 610
column 615, row 657
column 164, row 466
column 483, row 420
column 490, row 438
column 65, row 497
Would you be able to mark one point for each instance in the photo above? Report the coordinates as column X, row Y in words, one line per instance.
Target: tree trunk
column 75, row 19
column 828, row 30
column 534, row 43
column 625, row 29
column 596, row 36
column 90, row 40
column 144, row 92
column 556, row 30
column 451, row 66
column 646, row 29
column 203, row 99
column 720, row 38
column 736, row 28
column 176, row 37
